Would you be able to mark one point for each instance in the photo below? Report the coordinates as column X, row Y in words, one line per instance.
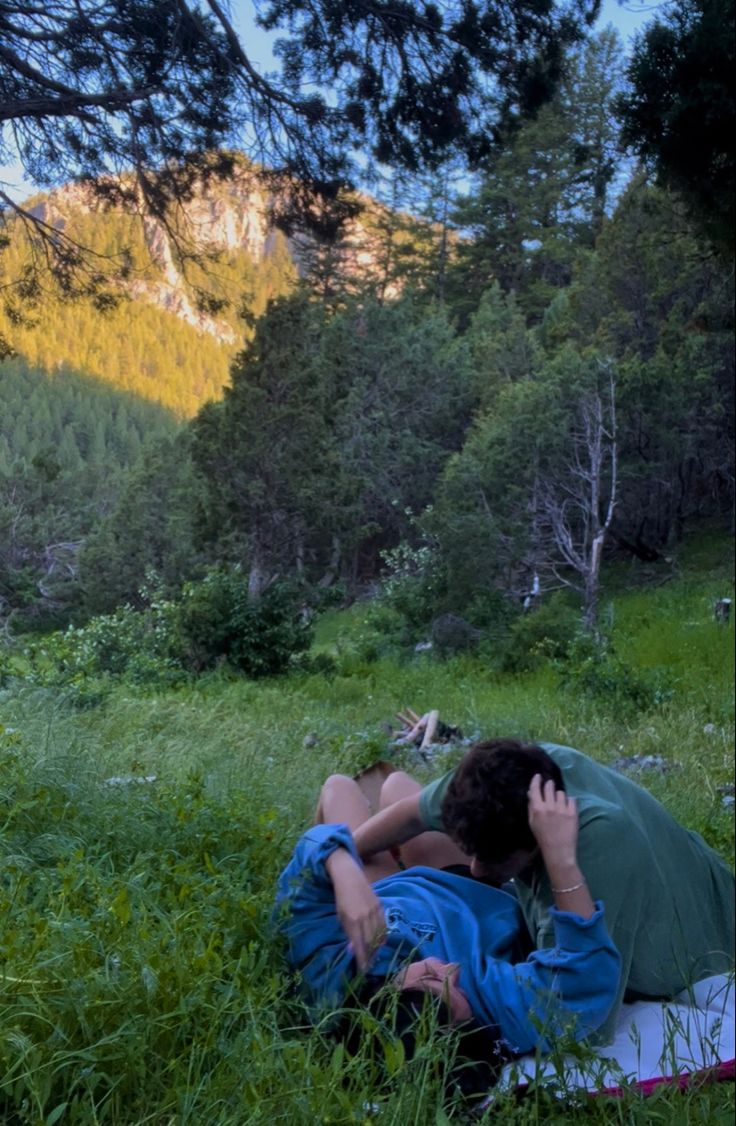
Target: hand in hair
column 553, row 819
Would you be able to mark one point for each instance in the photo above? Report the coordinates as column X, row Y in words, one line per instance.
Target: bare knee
column 398, row 785
column 337, row 782
column 341, row 799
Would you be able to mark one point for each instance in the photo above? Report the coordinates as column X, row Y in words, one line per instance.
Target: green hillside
column 66, row 442
column 138, row 346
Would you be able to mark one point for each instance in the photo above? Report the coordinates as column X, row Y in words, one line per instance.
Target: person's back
column 669, row 897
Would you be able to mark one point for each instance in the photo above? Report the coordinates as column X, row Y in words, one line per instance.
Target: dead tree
column 577, row 504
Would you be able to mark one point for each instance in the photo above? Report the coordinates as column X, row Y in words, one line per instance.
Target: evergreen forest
column 508, row 378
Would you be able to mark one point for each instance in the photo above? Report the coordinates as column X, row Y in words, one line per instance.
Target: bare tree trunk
column 299, row 552
column 592, row 584
column 571, row 505
column 334, row 565
column 257, row 577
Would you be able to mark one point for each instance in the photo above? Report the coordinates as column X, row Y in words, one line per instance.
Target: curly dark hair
column 485, row 807
column 375, row 1013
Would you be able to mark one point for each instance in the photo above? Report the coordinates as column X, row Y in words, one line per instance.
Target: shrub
column 141, row 645
column 413, row 586
column 218, row 622
column 385, row 633
column 544, row 633
column 212, row 622
column 596, row 671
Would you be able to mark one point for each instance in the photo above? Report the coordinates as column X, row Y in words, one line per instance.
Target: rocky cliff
column 230, row 217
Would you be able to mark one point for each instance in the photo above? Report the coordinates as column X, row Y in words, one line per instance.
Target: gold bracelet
column 564, row 891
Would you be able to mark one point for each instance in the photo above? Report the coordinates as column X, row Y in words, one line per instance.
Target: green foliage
column 139, row 645
column 413, row 584
column 152, row 527
column 597, row 671
column 678, row 110
column 542, row 195
column 138, row 979
column 484, row 517
column 212, row 621
column 321, row 446
column 547, row 632
column 648, row 308
column 65, row 445
column 259, row 637
column 663, row 311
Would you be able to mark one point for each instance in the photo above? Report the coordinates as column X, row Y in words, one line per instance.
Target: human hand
column 553, row 819
column 358, row 907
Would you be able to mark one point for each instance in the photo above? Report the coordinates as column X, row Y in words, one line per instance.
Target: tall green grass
column 138, row 979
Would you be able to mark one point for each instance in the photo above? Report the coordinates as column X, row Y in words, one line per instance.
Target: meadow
column 142, row 835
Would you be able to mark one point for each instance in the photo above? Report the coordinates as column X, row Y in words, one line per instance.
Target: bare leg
column 342, row 800
column 431, row 849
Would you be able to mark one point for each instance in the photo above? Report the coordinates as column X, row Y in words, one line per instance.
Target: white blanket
column 655, row 1042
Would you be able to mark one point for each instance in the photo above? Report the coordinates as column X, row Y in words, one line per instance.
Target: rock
column 452, row 634
column 130, row 779
column 310, row 740
column 638, row 764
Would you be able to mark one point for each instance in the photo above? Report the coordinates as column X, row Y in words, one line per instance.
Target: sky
column 627, row 19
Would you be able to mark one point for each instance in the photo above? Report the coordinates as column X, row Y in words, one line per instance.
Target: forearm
column 569, row 888
column 341, row 867
column 306, row 915
column 359, row 910
column 392, row 826
column 553, row 819
column 567, row 988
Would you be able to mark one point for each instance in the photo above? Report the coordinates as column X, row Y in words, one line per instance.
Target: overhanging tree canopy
column 678, row 114
column 97, row 88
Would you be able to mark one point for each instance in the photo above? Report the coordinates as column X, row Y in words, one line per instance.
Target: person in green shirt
column 668, row 897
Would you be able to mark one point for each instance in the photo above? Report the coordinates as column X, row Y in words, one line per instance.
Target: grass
column 138, row 982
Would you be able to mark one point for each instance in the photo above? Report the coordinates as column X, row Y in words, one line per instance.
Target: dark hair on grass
column 375, row 1014
column 485, row 807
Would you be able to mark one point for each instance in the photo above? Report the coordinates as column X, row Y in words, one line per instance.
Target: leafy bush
column 413, row 586
column 218, row 622
column 598, row 672
column 162, row 644
column 544, row 633
column 138, row 644
column 385, row 633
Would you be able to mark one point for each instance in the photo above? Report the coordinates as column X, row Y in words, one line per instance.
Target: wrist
column 563, row 874
column 340, row 861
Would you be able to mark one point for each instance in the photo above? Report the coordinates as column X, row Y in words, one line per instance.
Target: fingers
column 535, row 788
column 365, row 937
column 547, row 796
column 365, row 948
